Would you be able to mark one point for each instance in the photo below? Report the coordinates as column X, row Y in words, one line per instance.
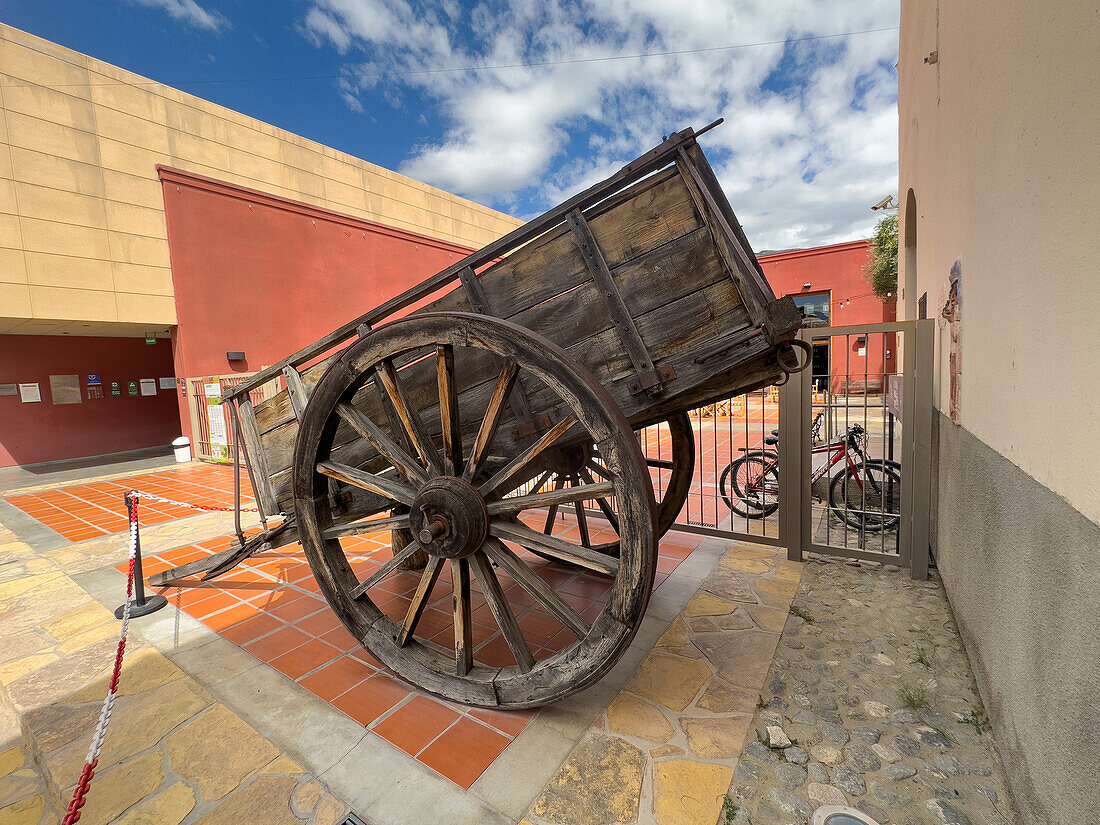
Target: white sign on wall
column 148, row 386
column 29, row 393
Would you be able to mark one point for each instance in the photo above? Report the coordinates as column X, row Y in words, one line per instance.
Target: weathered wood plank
column 260, row 474
column 530, row 581
column 643, row 241
column 463, row 623
column 634, row 171
column 558, row 548
column 568, row 495
column 502, row 612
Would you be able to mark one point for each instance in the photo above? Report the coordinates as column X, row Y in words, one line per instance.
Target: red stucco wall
column 838, row 270
column 268, row 276
column 44, row 431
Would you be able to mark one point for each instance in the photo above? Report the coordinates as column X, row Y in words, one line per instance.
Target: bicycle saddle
column 771, row 440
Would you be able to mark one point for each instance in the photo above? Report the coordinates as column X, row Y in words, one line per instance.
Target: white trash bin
column 182, row 448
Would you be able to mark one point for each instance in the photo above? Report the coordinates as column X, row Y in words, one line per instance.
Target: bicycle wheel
column 750, row 485
column 869, row 497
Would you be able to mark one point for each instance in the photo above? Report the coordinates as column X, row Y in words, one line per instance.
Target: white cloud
column 810, row 139
column 190, row 12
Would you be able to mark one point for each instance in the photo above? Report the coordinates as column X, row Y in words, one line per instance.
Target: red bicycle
column 864, row 492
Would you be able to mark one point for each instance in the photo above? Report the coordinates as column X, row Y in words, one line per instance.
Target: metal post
column 140, row 606
column 793, row 454
column 237, row 477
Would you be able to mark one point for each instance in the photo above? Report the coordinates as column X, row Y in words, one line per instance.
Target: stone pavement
column 870, row 702
column 665, row 749
column 173, row 753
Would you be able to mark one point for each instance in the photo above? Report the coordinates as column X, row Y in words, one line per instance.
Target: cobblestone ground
column 869, row 702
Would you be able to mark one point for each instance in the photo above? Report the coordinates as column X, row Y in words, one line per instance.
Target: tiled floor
column 90, row 510
column 270, row 606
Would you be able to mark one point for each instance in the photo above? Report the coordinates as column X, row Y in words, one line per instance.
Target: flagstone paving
column 173, row 753
column 666, row 747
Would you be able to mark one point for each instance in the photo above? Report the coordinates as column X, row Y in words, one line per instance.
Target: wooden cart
column 463, row 426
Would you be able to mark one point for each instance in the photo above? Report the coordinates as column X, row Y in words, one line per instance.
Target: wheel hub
column 569, row 460
column 449, row 518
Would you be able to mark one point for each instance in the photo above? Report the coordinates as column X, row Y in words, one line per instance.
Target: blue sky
column 559, row 99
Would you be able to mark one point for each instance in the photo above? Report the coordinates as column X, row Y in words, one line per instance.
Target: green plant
column 924, row 656
column 802, row 614
column 881, row 270
column 914, row 698
column 977, row 719
column 760, row 703
column 729, row 810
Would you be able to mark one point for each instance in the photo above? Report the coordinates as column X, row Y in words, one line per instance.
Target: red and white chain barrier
column 163, row 500
column 80, row 793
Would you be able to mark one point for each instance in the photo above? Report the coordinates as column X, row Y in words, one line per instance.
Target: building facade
column 999, row 111
column 97, row 164
column 829, row 286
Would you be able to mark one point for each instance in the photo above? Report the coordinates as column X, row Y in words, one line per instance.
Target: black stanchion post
column 141, row 605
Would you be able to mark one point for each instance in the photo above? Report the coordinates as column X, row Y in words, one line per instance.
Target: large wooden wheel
column 579, row 465
column 454, row 461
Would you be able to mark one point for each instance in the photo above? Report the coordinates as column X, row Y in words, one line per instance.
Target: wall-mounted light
column 234, row 356
column 807, row 286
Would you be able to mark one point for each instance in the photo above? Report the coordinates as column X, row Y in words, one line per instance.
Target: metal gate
column 211, row 427
column 848, row 471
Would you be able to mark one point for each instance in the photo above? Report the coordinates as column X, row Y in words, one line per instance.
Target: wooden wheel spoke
column 493, row 415
column 527, row 456
column 502, row 611
column 408, row 416
column 464, row 635
column 394, row 454
column 448, row 409
column 372, row 526
column 602, row 503
column 600, row 470
column 420, row 599
column 384, row 570
column 582, row 523
column 383, row 486
column 559, row 495
column 553, row 512
column 537, row 587
column 553, row 546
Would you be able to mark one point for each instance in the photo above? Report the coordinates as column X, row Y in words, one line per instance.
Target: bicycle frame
column 840, row 448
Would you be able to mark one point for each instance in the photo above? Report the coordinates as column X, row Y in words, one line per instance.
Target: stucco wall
column 83, row 244
column 998, row 144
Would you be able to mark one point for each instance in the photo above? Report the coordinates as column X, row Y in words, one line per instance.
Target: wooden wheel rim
column 579, row 664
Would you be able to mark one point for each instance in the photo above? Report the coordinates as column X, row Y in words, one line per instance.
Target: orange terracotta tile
column 319, row 623
column 337, row 677
column 370, row 699
column 304, row 658
column 229, row 617
column 463, row 751
column 413, row 725
column 511, row 722
column 251, row 628
column 339, row 637
column 280, row 642
column 213, row 603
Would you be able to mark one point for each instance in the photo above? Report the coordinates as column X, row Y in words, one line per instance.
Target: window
column 814, row 309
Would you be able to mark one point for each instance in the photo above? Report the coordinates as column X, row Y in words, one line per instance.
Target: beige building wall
column 1000, row 142
column 83, row 244
column 999, row 111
